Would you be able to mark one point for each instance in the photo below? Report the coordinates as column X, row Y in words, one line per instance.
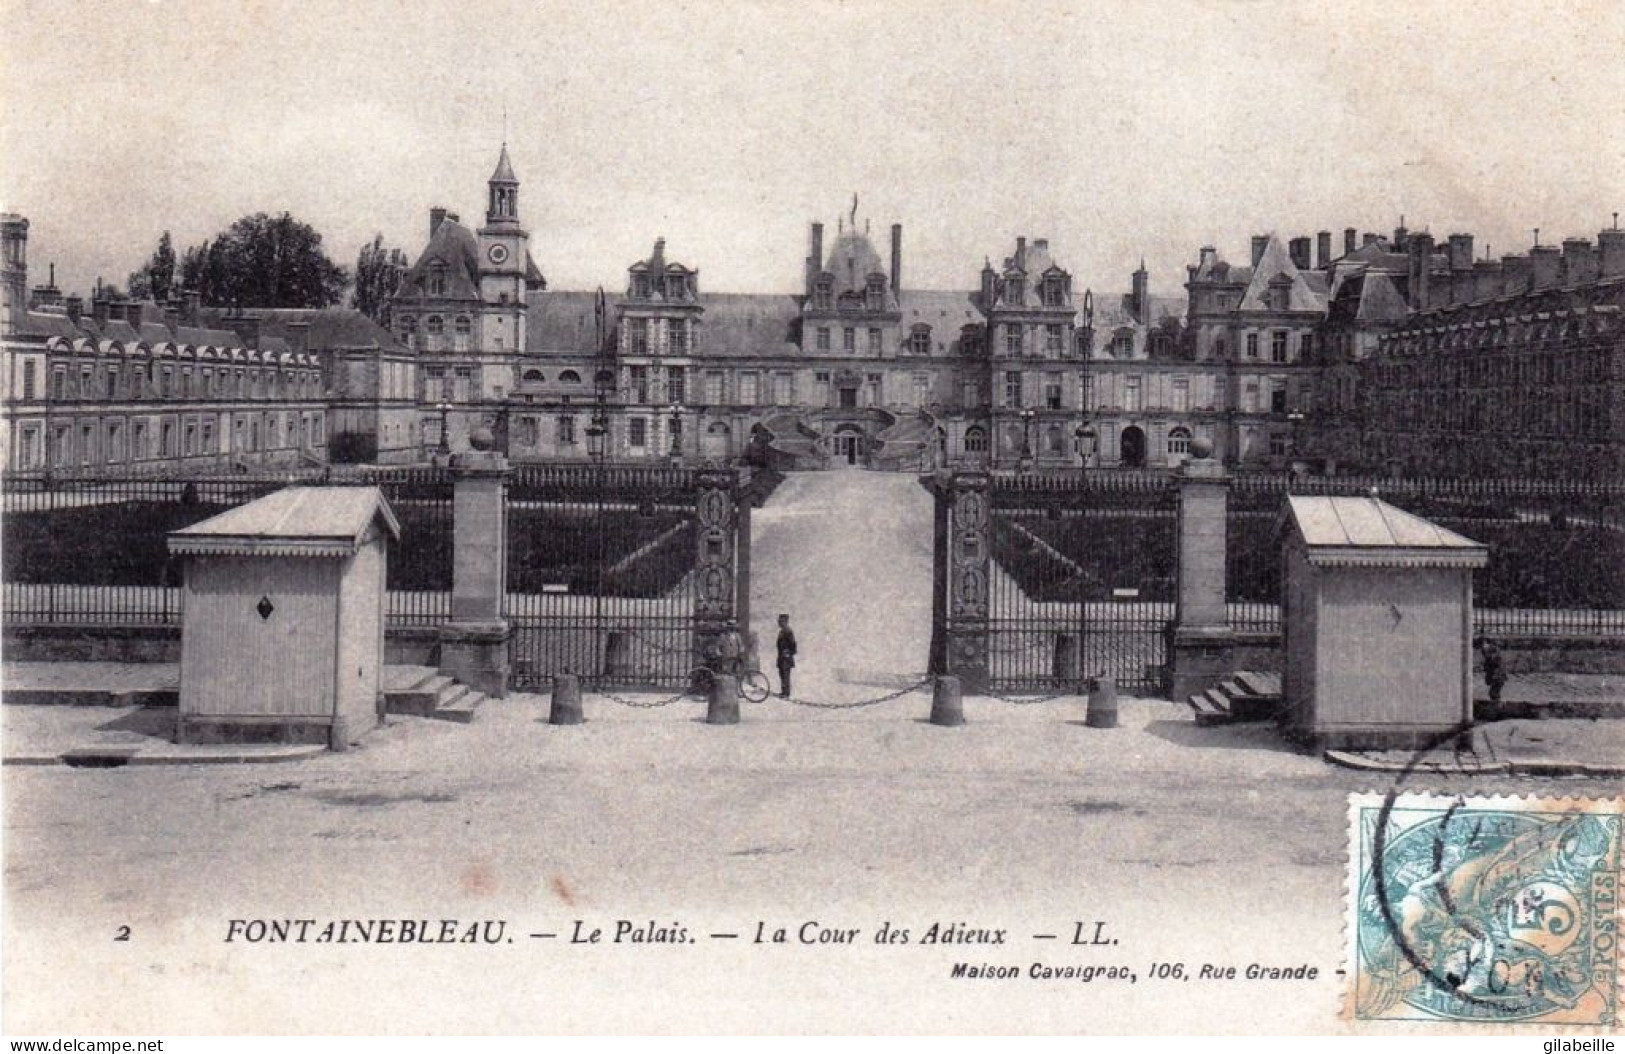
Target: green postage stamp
column 1493, row 910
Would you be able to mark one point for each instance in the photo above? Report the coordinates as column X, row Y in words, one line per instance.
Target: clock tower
column 505, row 265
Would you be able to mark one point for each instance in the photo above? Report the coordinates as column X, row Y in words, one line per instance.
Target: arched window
column 1179, row 441
column 569, row 377
column 534, row 377
column 975, row 440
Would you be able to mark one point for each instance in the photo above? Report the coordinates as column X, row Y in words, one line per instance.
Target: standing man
column 787, row 655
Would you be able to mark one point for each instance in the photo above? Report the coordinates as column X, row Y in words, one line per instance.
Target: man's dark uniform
column 787, row 659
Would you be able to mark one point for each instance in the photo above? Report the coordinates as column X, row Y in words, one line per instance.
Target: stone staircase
column 1247, row 696
column 422, row 691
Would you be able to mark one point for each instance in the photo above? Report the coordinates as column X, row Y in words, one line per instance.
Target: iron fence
column 600, row 574
column 1556, row 548
column 1083, row 579
column 93, row 550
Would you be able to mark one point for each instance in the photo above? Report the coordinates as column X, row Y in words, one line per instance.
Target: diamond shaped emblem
column 265, row 607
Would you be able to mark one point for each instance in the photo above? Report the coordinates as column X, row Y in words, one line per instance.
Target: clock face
column 498, row 253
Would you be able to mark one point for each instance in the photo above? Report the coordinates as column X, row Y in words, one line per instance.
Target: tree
column 264, row 261
column 157, row 277
column 376, row 275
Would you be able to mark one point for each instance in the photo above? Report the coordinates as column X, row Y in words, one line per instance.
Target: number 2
column 123, row 934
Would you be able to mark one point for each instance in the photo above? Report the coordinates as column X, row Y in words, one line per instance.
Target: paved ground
column 1191, row 845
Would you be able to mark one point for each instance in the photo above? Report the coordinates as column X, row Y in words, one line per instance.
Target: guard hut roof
column 1369, row 532
column 294, row 521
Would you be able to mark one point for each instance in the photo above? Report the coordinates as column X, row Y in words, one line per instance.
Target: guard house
column 1378, row 624
column 283, row 634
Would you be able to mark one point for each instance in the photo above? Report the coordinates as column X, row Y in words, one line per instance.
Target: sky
column 1116, row 130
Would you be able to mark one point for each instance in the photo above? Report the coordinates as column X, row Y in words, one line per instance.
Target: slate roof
column 1352, row 530
column 1114, row 313
column 43, row 324
column 314, row 521
column 504, row 169
column 852, row 259
column 740, row 325
column 563, row 322
column 455, row 246
column 1276, row 261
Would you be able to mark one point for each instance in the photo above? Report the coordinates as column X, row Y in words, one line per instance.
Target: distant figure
column 727, row 653
column 787, row 655
column 1495, row 670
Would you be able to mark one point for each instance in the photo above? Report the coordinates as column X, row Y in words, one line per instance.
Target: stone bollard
column 724, row 704
column 947, row 705
column 1102, row 712
column 1067, row 658
column 566, row 708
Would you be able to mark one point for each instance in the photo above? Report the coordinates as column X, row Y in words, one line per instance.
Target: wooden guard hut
column 1377, row 615
column 283, row 632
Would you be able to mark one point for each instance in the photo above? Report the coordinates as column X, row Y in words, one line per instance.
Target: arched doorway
column 1133, row 447
column 850, row 445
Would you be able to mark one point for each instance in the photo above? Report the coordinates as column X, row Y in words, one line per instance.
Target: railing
column 1556, row 547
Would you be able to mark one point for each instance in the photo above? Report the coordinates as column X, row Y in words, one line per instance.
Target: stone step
column 420, row 698
column 1210, row 708
column 458, row 705
column 1258, row 683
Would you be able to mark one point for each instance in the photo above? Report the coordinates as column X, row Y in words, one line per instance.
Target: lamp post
column 675, row 429
column 444, row 406
column 1297, row 465
column 1027, row 416
column 1083, row 437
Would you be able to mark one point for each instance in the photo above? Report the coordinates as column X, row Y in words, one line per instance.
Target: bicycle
column 752, row 684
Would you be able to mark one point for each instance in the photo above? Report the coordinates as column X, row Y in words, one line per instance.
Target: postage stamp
column 1492, row 910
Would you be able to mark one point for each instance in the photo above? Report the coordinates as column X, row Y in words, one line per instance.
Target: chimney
column 1515, row 271
column 1260, row 241
column 1208, row 256
column 1401, row 237
column 1298, row 249
column 437, row 216
column 1611, row 253
column 1142, row 296
column 76, row 307
column 988, row 282
column 1351, row 240
column 897, row 260
column 194, row 306
column 1546, row 261
column 453, row 217
column 1579, row 262
column 247, row 327
column 1323, row 249
column 100, row 309
column 1461, row 252
column 1421, row 269
column 1486, row 279
column 815, row 263
column 1369, row 238
column 1021, row 252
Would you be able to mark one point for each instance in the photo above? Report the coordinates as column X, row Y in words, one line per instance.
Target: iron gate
column 1050, row 579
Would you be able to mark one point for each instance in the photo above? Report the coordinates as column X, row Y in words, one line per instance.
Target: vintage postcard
column 836, row 517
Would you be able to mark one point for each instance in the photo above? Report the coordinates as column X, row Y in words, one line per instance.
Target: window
column 1280, row 444
column 437, row 279
column 1278, row 346
column 409, row 331
column 1122, row 346
column 876, row 389
column 1054, row 293
column 922, row 389
column 677, row 335
column 1052, row 391
column 676, row 390
column 823, row 295
column 435, row 326
column 1052, row 340
column 1252, row 345
column 876, row 293
column 637, row 335
column 1012, row 340
column 1249, row 397
column 1012, row 388
column 464, row 328
column 1131, row 393
column 676, row 287
column 821, row 387
column 1179, row 441
column 919, row 340
column 975, row 440
column 637, row 433
column 28, row 378
column 87, row 442
column 784, row 389
column 823, row 338
column 749, row 389
column 713, row 387
column 461, row 382
column 1087, row 395
column 1015, row 290
column 849, row 340
column 208, row 436
column 1306, row 346
column 874, row 341
column 87, row 381
column 640, row 384
column 1182, row 394
column 567, row 377
column 566, row 433
column 640, row 287
column 1278, row 401
column 59, row 383
column 115, row 441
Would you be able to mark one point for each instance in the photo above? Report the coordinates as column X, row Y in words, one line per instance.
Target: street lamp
column 676, row 430
column 1083, row 437
column 444, row 406
column 1027, row 416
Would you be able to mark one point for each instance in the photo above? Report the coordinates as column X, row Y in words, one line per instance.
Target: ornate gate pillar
column 1199, row 639
column 970, row 558
column 474, row 644
column 716, row 521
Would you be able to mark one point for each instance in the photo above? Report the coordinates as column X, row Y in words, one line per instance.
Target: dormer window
column 437, row 279
column 919, row 340
column 640, row 286
column 824, row 294
column 676, row 287
column 876, row 292
column 1054, row 292
column 1015, row 290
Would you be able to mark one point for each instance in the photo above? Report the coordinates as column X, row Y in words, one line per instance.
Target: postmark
column 1484, row 910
